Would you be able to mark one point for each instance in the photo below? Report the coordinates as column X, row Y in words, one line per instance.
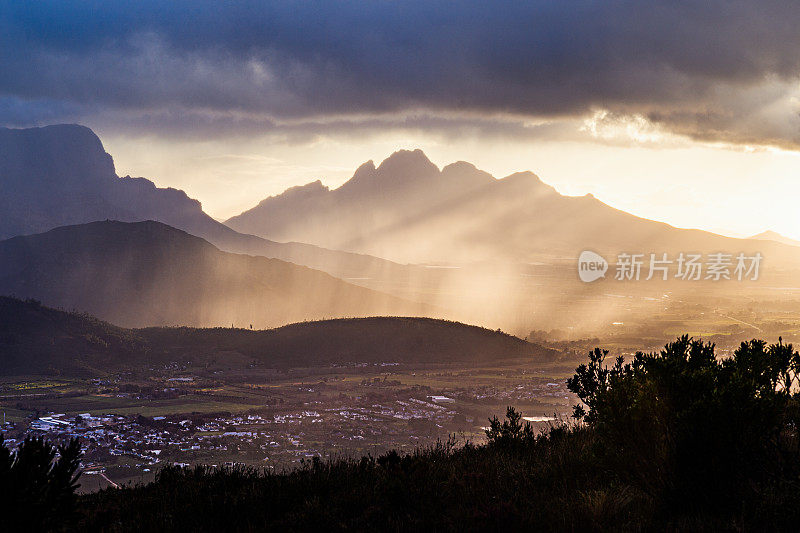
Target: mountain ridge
column 148, row 273
column 461, row 214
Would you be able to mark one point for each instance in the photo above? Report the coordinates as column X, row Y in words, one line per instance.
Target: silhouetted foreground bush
column 441, row 488
column 36, row 487
column 677, row 440
column 697, row 433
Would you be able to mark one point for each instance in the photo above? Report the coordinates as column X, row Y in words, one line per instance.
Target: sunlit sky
column 686, row 112
column 728, row 190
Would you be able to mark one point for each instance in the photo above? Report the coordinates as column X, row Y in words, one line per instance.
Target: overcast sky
column 687, row 112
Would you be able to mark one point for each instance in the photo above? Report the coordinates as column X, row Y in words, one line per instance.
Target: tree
column 511, row 431
column 690, row 428
column 37, row 484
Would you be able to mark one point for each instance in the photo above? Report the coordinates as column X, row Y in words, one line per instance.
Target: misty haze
column 399, row 266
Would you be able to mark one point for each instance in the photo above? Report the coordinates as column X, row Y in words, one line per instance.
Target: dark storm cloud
column 719, row 70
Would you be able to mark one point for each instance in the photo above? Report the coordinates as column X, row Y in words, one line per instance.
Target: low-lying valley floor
column 131, row 424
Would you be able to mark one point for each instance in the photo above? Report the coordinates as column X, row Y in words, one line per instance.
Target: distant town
column 347, row 410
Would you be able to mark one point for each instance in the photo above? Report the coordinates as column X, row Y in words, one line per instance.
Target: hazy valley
column 399, row 266
column 456, row 244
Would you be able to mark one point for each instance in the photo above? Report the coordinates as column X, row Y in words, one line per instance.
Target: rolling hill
column 35, row 339
column 381, row 339
column 148, row 273
column 40, row 340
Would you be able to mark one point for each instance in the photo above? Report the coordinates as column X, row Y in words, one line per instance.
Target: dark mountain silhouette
column 408, row 210
column 40, row 340
column 35, row 339
column 148, row 273
column 370, row 339
column 61, row 175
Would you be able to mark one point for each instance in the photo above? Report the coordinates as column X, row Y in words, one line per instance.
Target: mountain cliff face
column 59, row 175
column 51, row 177
column 147, row 273
column 407, row 210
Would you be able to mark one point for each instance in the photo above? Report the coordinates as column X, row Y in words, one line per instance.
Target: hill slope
column 777, row 237
column 147, row 273
column 38, row 339
column 35, row 339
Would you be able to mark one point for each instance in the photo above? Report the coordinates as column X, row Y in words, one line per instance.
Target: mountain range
column 509, row 245
column 405, row 210
column 408, row 210
column 61, row 175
